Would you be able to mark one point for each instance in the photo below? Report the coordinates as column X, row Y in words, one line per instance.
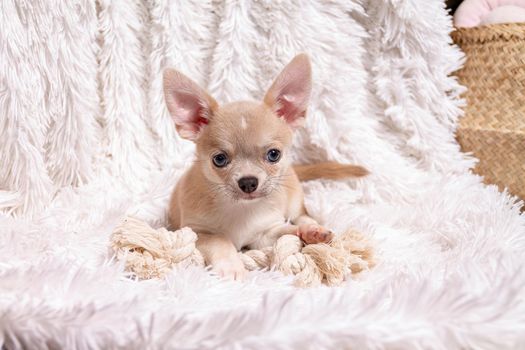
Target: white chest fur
column 244, row 222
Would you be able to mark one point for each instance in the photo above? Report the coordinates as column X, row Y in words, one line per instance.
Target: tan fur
column 208, row 198
column 328, row 170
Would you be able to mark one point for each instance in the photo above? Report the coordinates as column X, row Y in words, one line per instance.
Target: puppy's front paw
column 313, row 233
column 230, row 268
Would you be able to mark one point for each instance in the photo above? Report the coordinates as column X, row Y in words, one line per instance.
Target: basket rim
column 492, row 32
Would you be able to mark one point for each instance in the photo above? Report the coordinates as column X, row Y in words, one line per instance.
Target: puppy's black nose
column 248, row 184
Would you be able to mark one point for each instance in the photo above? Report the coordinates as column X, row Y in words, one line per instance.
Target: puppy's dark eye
column 273, row 155
column 220, row 160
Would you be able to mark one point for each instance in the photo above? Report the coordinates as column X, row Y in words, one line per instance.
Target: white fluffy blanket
column 85, row 139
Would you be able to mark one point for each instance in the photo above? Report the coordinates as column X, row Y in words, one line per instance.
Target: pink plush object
column 473, row 13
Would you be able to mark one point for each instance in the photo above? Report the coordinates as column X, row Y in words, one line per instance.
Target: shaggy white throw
column 85, row 139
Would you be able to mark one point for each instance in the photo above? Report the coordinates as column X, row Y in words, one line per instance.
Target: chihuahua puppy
column 242, row 191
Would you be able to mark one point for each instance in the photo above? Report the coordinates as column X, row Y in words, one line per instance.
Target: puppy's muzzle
column 248, row 184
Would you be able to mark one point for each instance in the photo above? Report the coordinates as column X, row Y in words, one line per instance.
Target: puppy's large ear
column 189, row 105
column 288, row 96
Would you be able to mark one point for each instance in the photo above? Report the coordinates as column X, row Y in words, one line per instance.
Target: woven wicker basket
column 493, row 127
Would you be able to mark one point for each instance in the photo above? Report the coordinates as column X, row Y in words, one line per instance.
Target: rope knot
column 150, row 253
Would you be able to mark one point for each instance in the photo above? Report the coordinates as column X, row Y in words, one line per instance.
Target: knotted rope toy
column 152, row 253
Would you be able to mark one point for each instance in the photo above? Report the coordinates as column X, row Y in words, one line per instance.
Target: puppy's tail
column 329, row 171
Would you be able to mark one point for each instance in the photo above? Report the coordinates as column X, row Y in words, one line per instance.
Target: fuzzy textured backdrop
column 85, row 139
